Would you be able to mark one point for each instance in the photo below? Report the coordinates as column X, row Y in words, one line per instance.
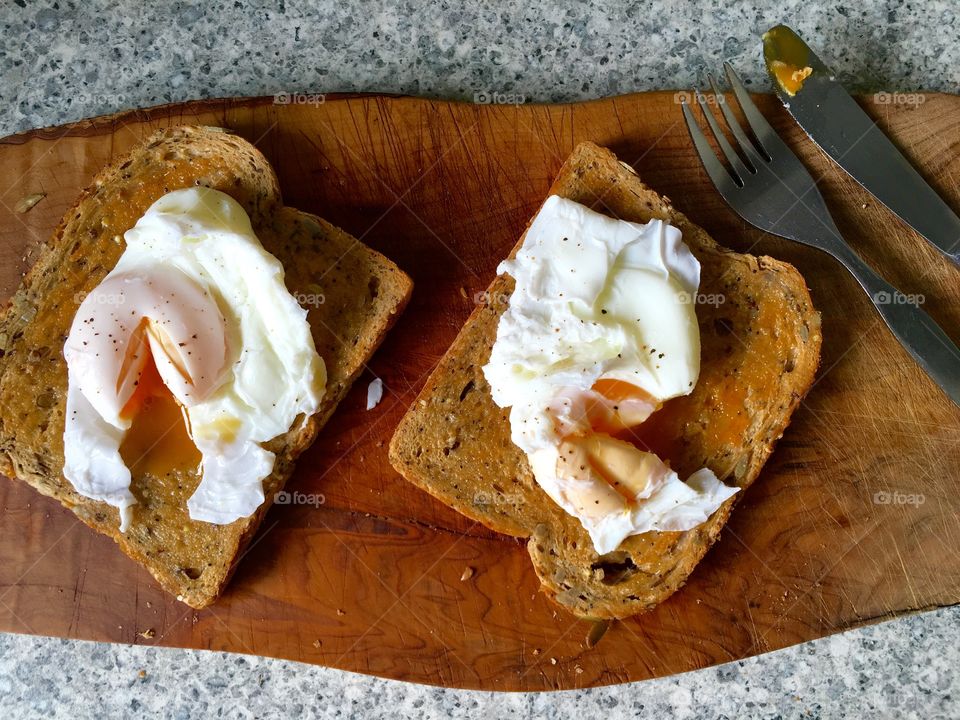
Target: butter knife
column 839, row 127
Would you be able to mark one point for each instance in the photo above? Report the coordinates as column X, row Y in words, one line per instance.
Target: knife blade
column 839, row 126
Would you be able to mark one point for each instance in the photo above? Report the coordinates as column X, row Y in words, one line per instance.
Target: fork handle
column 926, row 341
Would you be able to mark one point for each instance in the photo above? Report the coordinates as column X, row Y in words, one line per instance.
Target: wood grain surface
column 854, row 519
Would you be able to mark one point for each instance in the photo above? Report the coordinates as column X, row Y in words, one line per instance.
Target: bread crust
column 363, row 294
column 760, row 353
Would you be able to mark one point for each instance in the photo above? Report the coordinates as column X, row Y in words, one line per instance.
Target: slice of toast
column 760, row 340
column 357, row 295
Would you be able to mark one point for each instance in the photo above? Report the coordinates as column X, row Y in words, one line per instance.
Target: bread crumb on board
column 26, row 204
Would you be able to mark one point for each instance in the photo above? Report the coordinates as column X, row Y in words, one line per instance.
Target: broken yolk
column 622, row 406
column 618, row 390
column 619, row 471
column 622, row 466
column 791, row 78
column 158, row 441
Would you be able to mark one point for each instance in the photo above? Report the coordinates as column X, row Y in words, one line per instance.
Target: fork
column 769, row 188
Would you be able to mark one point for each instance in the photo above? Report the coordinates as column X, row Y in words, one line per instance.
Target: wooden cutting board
column 854, row 519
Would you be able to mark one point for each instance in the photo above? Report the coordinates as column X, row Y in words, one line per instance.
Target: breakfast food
column 791, row 78
column 759, row 343
column 157, row 374
column 197, row 309
column 599, row 332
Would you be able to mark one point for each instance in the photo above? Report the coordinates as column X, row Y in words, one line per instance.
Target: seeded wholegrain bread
column 760, row 340
column 362, row 293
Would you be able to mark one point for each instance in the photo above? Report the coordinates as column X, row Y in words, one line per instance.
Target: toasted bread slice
column 760, row 340
column 362, row 293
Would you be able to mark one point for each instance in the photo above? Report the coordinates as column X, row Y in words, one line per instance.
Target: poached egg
column 197, row 310
column 599, row 332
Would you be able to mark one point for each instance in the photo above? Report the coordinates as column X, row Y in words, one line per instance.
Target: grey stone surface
column 903, row 669
column 62, row 61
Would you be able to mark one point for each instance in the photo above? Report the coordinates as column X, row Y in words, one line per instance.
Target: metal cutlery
column 769, row 187
column 840, row 127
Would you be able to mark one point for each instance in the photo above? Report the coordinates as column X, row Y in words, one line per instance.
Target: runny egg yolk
column 158, row 441
column 791, row 78
column 610, row 406
column 610, row 470
column 626, row 472
column 626, row 406
column 186, row 357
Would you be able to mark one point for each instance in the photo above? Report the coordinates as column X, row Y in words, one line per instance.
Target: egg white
column 601, row 299
column 196, row 287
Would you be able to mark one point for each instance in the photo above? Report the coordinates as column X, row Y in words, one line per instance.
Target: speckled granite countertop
column 63, row 60
column 903, row 669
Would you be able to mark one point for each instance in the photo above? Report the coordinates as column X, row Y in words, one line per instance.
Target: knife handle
column 926, row 341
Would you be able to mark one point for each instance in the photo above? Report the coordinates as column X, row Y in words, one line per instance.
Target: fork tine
column 766, row 136
column 739, row 169
column 746, row 146
column 715, row 169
